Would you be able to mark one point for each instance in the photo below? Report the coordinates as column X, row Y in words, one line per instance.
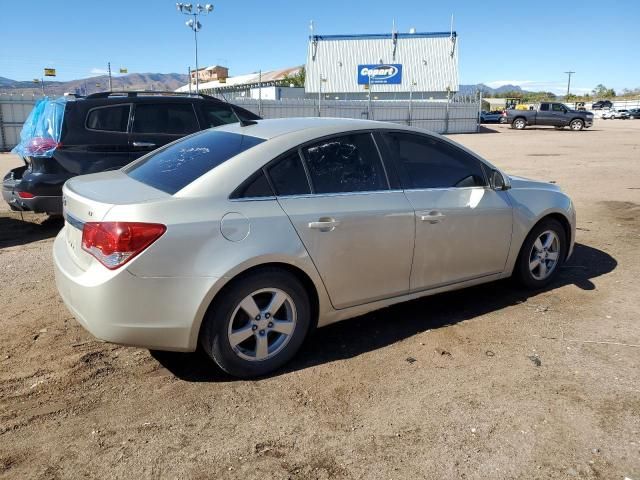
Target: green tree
column 297, row 79
column 603, row 92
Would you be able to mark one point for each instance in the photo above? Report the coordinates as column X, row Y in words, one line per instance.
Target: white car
column 243, row 238
column 613, row 113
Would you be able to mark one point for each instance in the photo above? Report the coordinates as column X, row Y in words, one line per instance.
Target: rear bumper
column 45, row 188
column 116, row 306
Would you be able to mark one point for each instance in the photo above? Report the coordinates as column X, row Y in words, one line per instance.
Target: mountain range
column 159, row 81
column 132, row 81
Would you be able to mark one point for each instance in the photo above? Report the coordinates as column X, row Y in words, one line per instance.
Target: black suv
column 105, row 131
column 599, row 105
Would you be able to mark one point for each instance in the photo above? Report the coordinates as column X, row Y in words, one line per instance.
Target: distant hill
column 471, row 89
column 132, row 81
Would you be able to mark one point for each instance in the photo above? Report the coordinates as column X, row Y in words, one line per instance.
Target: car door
column 156, row 124
column 358, row 231
column 544, row 116
column 558, row 115
column 463, row 227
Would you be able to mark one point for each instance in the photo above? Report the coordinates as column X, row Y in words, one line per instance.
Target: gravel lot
column 491, row 382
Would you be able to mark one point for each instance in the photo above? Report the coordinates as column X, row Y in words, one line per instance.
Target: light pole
column 569, row 81
column 195, row 25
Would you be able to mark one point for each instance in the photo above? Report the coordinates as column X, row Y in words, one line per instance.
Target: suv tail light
column 115, row 243
column 25, row 195
column 41, row 145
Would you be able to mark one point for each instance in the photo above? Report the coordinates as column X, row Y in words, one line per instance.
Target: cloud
column 98, row 71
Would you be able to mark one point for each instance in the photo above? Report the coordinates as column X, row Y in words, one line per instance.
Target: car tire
column 527, row 271
column 519, row 123
column 227, row 322
column 576, row 125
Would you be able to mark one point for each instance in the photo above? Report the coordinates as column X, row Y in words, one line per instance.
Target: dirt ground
column 491, row 382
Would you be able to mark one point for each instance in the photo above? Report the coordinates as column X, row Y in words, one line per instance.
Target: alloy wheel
column 262, row 324
column 544, row 255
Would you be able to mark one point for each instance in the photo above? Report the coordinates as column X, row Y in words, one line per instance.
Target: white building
column 269, row 85
column 392, row 65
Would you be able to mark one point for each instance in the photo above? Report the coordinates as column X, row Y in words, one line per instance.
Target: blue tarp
column 41, row 131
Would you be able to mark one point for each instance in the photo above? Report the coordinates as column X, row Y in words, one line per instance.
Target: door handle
column 324, row 224
column 432, row 217
column 144, row 145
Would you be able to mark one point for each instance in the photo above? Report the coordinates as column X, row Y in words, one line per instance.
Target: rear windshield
column 173, row 168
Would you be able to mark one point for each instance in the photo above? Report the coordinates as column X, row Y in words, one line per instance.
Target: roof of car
column 276, row 127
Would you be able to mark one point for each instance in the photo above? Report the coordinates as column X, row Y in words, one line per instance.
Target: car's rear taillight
column 115, row 243
column 25, row 195
column 41, row 145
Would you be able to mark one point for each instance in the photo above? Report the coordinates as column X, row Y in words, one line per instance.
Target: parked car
column 245, row 237
column 634, row 113
column 490, row 117
column 613, row 113
column 102, row 131
column 601, row 104
column 552, row 114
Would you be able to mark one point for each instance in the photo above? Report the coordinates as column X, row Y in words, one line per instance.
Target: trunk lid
column 88, row 198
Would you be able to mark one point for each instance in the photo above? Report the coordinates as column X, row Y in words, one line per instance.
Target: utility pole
column 109, row 70
column 569, row 81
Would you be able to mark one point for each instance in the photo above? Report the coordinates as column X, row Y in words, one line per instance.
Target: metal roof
column 429, row 61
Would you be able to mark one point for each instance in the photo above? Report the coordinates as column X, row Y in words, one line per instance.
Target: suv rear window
column 172, row 168
column 111, row 119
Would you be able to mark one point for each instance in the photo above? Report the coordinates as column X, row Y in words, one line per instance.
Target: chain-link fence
column 14, row 110
column 460, row 115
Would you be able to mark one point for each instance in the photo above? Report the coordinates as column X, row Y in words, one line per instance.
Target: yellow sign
column 123, row 70
column 222, row 80
column 49, row 72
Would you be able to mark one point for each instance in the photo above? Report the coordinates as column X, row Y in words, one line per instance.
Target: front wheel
column 519, row 123
column 576, row 125
column 541, row 254
column 258, row 324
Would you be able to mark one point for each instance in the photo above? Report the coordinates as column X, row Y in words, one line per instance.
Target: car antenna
column 246, row 123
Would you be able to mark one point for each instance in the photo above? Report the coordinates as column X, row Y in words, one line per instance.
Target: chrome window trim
column 253, row 199
column 339, row 194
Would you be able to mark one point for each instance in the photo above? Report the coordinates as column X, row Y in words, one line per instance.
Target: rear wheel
column 576, row 125
column 519, row 123
column 541, row 254
column 258, row 324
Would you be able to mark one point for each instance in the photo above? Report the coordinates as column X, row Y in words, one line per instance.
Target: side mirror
column 498, row 181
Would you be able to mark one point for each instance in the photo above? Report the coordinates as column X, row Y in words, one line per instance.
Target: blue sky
column 525, row 43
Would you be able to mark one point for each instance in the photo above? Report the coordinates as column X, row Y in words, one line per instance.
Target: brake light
column 115, row 243
column 25, row 195
column 41, row 145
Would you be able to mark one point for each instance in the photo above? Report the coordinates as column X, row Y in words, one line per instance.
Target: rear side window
column 431, row 163
column 110, row 119
column 349, row 163
column 288, row 176
column 255, row 187
column 172, row 168
column 544, row 107
column 168, row 118
column 217, row 115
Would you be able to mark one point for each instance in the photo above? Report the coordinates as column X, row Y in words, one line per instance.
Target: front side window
column 110, row 119
column 556, row 107
column 167, row 118
column 426, row 162
column 172, row 168
column 349, row 163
